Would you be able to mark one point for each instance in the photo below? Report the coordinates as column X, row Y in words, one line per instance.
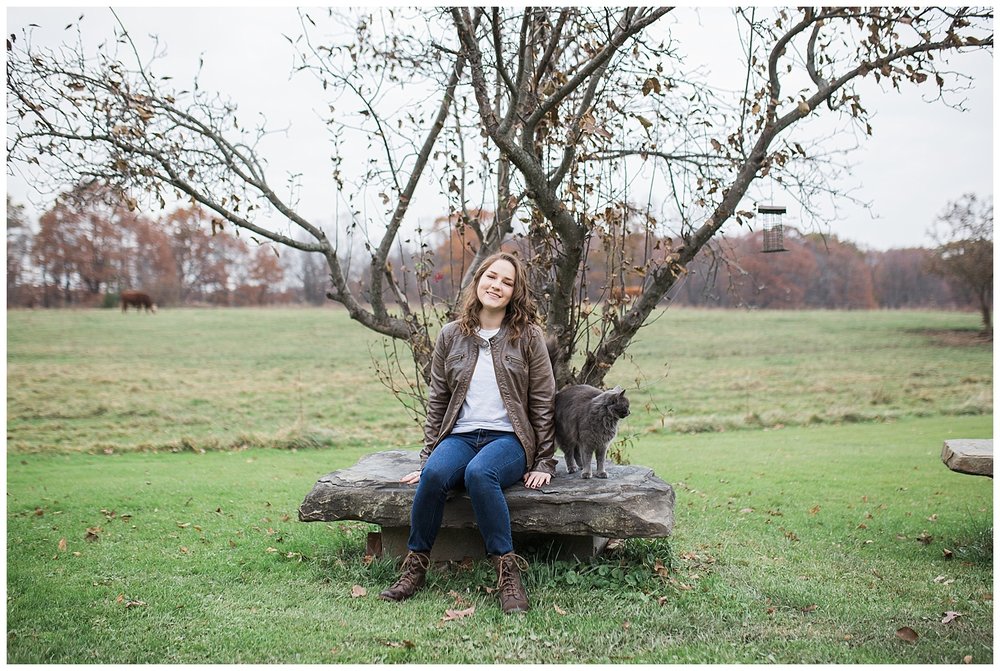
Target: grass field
column 814, row 517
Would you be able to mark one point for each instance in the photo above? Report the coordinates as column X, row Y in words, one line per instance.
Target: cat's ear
column 618, row 391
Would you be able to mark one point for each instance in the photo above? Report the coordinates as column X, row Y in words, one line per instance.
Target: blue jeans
column 487, row 462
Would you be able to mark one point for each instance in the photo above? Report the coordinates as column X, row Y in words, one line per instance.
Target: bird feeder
column 772, row 227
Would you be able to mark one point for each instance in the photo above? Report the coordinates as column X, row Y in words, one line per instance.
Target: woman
column 489, row 424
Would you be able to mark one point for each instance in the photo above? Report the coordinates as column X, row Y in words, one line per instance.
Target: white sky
column 920, row 157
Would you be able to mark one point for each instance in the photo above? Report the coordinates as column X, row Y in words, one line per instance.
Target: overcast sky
column 921, row 156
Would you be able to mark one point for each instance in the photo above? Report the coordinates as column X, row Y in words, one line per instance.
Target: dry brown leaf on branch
column 451, row 614
column 907, row 634
column 357, row 591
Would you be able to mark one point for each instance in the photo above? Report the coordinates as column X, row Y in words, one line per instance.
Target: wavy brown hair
column 521, row 311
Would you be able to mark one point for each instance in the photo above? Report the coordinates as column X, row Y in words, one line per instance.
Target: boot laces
column 508, row 569
column 413, row 563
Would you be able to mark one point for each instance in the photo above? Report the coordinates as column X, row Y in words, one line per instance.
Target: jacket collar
column 499, row 337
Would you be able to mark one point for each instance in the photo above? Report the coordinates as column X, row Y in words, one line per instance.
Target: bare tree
column 964, row 255
column 537, row 115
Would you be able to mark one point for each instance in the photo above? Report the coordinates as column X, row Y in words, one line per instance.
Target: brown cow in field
column 138, row 300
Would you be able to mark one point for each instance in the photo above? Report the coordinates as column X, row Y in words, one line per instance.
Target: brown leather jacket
column 527, row 387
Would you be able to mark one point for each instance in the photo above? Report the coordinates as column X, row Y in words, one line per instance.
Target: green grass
column 810, row 543
column 96, row 380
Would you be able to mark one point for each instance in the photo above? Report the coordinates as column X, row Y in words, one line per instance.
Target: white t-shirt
column 483, row 408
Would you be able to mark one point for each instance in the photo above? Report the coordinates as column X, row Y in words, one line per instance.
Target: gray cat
column 586, row 423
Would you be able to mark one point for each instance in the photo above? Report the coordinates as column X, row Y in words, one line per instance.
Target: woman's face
column 496, row 286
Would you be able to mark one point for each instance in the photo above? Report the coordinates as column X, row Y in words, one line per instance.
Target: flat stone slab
column 968, row 455
column 631, row 503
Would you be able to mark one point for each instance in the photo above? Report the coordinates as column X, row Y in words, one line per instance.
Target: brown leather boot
column 413, row 578
column 513, row 598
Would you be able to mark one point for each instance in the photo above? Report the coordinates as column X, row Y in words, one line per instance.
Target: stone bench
column 967, row 455
column 577, row 516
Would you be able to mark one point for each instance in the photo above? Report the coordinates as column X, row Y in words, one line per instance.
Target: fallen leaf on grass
column 679, row 585
column 907, row 634
column 62, row 545
column 626, row 625
column 746, row 510
column 184, row 550
column 39, row 512
column 559, row 610
column 925, row 538
column 948, row 554
column 401, row 644
column 661, row 600
column 967, row 659
column 950, row 616
column 357, row 591
column 811, row 608
column 660, row 569
column 943, row 580
column 814, row 510
column 92, row 534
column 134, row 603
column 459, row 599
column 451, row 614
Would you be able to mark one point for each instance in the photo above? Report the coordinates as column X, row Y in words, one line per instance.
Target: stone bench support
column 576, row 516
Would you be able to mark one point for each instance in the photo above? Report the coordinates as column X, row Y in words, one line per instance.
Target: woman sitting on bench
column 489, row 424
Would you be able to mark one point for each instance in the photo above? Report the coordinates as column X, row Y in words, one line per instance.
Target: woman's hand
column 536, row 479
column 411, row 478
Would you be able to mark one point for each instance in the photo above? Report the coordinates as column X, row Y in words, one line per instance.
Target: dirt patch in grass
column 956, row 337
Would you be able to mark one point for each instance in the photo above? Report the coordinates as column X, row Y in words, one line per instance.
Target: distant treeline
column 84, row 252
column 817, row 272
